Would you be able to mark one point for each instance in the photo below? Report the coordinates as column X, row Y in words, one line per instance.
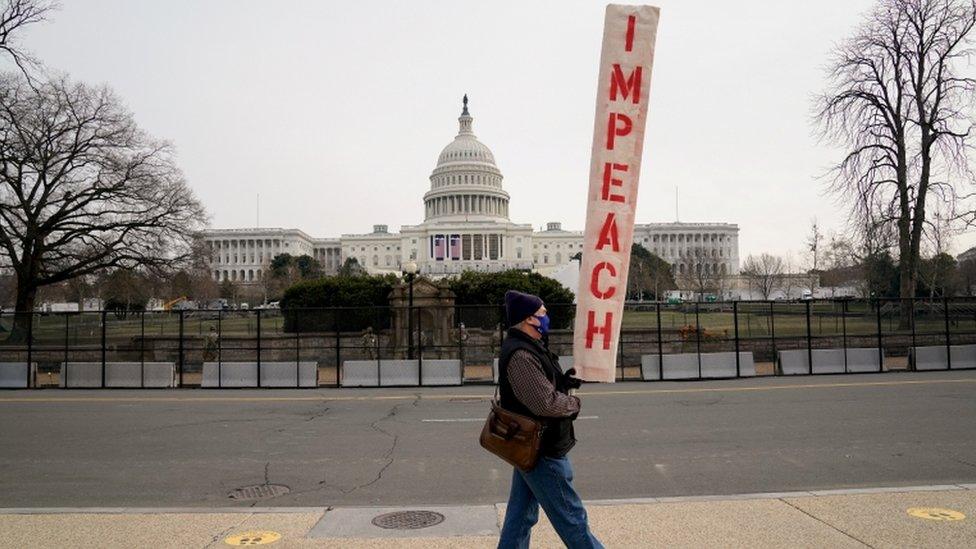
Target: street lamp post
column 410, row 271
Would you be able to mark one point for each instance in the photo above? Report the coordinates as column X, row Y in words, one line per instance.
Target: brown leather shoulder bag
column 513, row 437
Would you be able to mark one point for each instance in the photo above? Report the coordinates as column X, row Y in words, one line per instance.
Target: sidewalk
column 877, row 517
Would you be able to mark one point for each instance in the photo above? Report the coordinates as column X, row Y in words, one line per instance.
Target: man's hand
column 572, row 382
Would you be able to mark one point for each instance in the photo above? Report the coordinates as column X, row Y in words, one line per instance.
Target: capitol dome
column 466, row 184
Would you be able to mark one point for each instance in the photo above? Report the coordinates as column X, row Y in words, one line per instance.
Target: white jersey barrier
column 273, row 374
column 401, row 373
column 13, row 375
column 830, row 361
column 88, row 375
column 934, row 357
column 695, row 366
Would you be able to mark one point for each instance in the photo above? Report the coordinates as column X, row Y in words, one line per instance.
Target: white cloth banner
column 618, row 139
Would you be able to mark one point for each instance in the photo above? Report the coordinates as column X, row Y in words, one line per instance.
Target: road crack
column 388, row 456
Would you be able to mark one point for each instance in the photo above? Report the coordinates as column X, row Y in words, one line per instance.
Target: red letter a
column 608, row 234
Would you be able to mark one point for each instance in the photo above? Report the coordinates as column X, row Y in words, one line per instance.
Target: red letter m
column 627, row 88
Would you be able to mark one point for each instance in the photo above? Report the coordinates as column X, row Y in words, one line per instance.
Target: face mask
column 543, row 326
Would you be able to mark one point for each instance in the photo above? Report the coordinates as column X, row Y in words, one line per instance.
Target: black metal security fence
column 453, row 345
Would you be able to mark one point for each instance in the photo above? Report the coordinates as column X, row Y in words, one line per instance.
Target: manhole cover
column 935, row 513
column 259, row 491
column 257, row 537
column 408, row 520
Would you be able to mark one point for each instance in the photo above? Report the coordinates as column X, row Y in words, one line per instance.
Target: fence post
column 220, row 343
column 104, row 350
column 142, row 349
column 660, row 346
column 809, row 342
column 620, row 355
column 698, row 334
column 379, row 373
column 914, row 344
column 180, row 343
column 338, row 336
column 67, row 341
column 457, row 312
column 298, row 349
column 735, row 328
column 30, row 344
column 948, row 338
column 772, row 334
column 880, row 341
column 843, row 328
column 420, row 350
column 258, row 313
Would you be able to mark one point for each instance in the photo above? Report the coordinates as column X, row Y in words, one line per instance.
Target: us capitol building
column 465, row 227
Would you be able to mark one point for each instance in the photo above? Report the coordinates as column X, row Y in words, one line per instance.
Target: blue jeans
column 549, row 484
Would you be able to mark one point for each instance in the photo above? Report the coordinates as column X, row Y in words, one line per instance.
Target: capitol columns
column 621, row 113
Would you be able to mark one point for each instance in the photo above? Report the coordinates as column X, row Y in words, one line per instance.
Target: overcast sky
column 335, row 112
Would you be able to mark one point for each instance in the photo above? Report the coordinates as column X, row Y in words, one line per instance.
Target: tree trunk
column 23, row 311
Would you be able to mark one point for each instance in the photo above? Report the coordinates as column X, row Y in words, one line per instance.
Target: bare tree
column 788, row 280
column 702, row 271
column 898, row 105
column 764, row 273
column 813, row 244
column 14, row 16
column 939, row 271
column 83, row 189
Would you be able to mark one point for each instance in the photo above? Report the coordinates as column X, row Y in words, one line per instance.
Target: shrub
column 488, row 290
column 312, row 304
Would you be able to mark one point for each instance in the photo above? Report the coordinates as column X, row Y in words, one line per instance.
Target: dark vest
column 558, row 437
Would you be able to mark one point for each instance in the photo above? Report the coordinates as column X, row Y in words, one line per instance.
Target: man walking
column 531, row 383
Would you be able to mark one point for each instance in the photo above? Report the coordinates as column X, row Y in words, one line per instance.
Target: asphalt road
column 115, row 448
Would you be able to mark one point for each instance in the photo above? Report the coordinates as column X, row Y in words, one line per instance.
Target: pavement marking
column 414, row 396
column 256, row 537
column 474, row 419
column 935, row 513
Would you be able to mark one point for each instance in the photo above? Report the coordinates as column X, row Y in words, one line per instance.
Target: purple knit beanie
column 519, row 306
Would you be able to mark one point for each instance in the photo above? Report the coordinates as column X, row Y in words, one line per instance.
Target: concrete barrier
column 565, row 363
column 863, row 360
column 363, row 373
column 359, row 373
column 685, row 366
column 963, row 356
column 135, row 374
column 929, row 357
column 825, row 361
column 716, row 365
column 232, row 374
column 681, row 366
column 933, row 357
column 829, row 361
column 441, row 372
column 678, row 366
column 290, row 374
column 399, row 372
column 13, row 375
